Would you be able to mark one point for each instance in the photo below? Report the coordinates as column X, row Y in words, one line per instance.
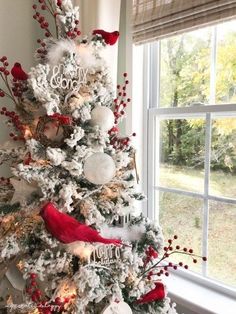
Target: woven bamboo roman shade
column 154, row 19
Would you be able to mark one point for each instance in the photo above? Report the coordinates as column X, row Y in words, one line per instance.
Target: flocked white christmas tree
column 72, row 240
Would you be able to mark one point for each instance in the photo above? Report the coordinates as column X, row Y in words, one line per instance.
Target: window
column 192, row 144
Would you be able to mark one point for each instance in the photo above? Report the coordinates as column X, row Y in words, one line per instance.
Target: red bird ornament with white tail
column 67, row 229
column 109, row 38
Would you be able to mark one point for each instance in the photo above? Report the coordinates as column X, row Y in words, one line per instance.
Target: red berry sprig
column 4, row 75
column 45, row 306
column 14, row 120
column 120, row 103
column 159, row 270
column 42, row 51
column 40, row 18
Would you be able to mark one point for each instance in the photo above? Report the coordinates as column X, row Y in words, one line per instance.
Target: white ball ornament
column 99, row 168
column 103, row 117
column 117, row 308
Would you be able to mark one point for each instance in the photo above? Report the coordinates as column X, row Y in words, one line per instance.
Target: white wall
column 18, row 35
column 101, row 14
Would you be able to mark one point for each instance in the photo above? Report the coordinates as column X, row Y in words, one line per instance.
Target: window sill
column 198, row 298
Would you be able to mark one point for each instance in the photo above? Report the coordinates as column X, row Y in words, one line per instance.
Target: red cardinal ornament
column 110, row 38
column 18, row 73
column 67, row 229
column 158, row 293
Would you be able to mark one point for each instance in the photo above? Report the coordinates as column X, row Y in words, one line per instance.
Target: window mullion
column 206, row 190
column 213, row 65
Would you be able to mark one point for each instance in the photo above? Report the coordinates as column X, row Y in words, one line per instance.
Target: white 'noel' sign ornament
column 117, row 308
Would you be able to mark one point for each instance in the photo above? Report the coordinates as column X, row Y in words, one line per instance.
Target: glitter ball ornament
column 99, row 168
column 118, row 308
column 103, row 117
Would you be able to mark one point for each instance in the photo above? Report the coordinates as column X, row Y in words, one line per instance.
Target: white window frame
column 151, row 60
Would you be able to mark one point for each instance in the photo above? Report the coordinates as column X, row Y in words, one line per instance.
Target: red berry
column 47, row 34
column 2, row 94
column 204, row 258
column 4, row 109
column 177, row 247
column 166, row 274
column 186, row 266
column 78, row 33
column 185, row 249
column 76, row 22
column 34, row 6
column 180, row 264
column 34, row 298
column 129, row 100
column 58, row 301
column 124, row 94
column 6, row 72
column 175, row 237
column 118, row 86
column 11, row 135
column 195, row 261
column 125, row 74
column 175, row 267
column 4, row 58
column 6, row 64
column 38, row 293
column 190, row 251
column 2, row 69
column 41, row 1
column 43, row 7
column 33, row 276
column 39, row 41
column 126, row 82
column 33, row 283
column 59, row 3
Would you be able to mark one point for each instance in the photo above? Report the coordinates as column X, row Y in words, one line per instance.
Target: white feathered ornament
column 59, row 50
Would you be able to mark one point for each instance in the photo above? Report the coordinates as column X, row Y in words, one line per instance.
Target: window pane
column 181, row 156
column 185, row 69
column 182, row 215
column 222, row 242
column 226, row 63
column 223, row 157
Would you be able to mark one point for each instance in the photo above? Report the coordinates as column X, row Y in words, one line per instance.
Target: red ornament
column 158, row 293
column 18, row 73
column 110, row 38
column 67, row 229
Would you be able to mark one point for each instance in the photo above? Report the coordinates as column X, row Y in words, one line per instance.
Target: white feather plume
column 58, row 50
column 130, row 234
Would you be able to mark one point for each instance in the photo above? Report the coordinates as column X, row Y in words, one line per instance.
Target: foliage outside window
column 194, row 130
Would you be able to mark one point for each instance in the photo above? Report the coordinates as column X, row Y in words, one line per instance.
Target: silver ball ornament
column 99, row 168
column 103, row 117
